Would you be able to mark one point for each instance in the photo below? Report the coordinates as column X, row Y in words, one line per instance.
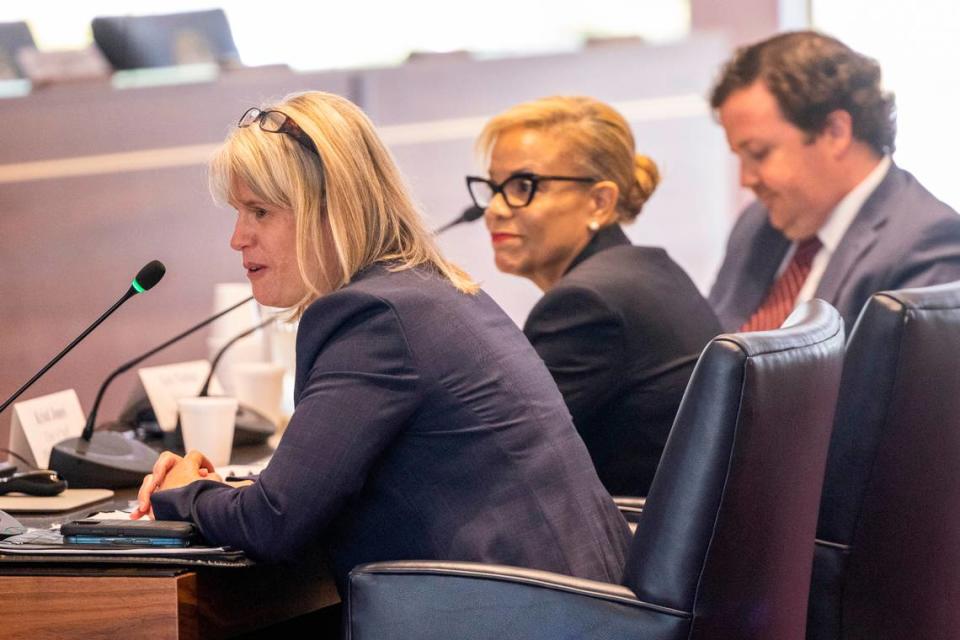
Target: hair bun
column 647, row 178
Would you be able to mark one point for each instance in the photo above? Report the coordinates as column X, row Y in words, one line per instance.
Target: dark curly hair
column 812, row 75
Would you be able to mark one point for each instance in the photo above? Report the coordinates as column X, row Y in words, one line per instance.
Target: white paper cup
column 259, row 385
column 225, row 295
column 283, row 350
column 207, row 425
column 282, row 338
column 249, row 349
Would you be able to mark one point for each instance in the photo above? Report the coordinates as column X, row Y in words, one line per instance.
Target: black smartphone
column 131, row 533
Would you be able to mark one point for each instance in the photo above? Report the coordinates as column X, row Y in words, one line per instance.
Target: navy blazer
column 901, row 237
column 621, row 332
column 426, row 427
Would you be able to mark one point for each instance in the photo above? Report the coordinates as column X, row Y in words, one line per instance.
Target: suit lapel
column 859, row 238
column 611, row 236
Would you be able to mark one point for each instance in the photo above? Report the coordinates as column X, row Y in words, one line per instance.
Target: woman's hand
column 169, row 472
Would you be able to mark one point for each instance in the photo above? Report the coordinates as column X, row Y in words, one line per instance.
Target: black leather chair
column 723, row 548
column 134, row 42
column 887, row 559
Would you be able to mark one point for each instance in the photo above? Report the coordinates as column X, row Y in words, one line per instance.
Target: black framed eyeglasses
column 277, row 122
column 517, row 190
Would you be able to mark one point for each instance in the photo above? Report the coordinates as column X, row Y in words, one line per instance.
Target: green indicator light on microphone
column 136, row 285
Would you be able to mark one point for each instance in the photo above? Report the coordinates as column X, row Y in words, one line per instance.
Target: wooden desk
column 58, row 600
column 47, row 601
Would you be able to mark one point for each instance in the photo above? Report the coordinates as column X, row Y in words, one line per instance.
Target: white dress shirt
column 833, row 230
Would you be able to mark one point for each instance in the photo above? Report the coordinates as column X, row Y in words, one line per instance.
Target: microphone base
column 251, row 427
column 109, row 461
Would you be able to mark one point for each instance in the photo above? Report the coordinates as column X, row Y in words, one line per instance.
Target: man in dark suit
column 835, row 218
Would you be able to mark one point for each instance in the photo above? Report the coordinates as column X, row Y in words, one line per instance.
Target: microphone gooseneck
column 252, row 427
column 204, row 390
column 469, row 214
column 147, row 277
column 112, row 459
column 92, row 418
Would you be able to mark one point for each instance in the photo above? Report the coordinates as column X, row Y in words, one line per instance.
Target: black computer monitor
column 13, row 37
column 135, row 42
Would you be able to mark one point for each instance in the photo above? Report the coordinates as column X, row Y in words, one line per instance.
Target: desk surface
column 45, row 599
column 122, row 497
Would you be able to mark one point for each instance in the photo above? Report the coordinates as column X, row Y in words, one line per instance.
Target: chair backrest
column 728, row 524
column 13, row 37
column 888, row 552
column 133, row 42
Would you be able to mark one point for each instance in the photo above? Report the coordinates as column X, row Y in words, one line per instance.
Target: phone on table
column 132, row 533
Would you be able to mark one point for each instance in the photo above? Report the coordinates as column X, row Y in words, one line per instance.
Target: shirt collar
column 846, row 210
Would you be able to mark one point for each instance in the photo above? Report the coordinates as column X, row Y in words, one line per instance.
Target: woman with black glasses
column 425, row 426
column 620, row 327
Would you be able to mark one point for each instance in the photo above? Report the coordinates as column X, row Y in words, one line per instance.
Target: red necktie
column 783, row 293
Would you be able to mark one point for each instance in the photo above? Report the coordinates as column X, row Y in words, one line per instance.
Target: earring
column 593, row 225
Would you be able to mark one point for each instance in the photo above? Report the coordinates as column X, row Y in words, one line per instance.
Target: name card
column 42, row 422
column 166, row 384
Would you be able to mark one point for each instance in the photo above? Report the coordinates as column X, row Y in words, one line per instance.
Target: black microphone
column 91, row 419
column 204, row 390
column 251, row 427
column 471, row 213
column 117, row 461
column 146, row 278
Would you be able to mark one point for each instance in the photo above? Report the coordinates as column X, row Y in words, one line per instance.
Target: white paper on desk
column 49, row 541
column 166, row 384
column 111, row 515
column 88, row 550
column 244, row 471
column 42, row 422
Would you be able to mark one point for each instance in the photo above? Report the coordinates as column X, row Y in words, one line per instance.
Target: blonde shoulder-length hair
column 351, row 200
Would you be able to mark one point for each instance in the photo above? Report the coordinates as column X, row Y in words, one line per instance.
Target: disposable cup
column 225, row 295
column 259, row 385
column 249, row 349
column 207, row 424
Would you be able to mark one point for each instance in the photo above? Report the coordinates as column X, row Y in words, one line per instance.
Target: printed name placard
column 166, row 384
column 42, row 422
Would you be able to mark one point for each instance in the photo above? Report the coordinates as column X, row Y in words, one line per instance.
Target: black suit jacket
column 901, row 237
column 426, row 427
column 621, row 333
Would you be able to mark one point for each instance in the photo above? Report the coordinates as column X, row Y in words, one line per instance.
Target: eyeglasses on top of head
column 518, row 190
column 273, row 121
